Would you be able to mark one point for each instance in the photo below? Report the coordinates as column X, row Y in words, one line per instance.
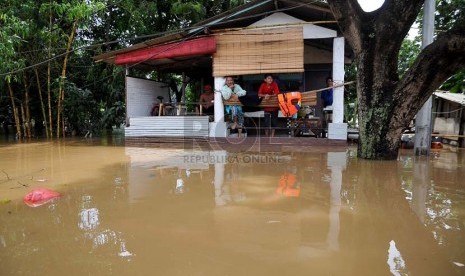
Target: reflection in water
column 395, row 261
column 337, row 163
column 288, row 185
column 227, row 182
column 179, row 186
column 89, row 219
column 89, row 222
column 437, row 197
column 421, row 184
column 88, row 216
column 188, row 212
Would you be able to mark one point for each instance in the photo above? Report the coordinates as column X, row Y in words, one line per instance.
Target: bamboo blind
column 259, row 51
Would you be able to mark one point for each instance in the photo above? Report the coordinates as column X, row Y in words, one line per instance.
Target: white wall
column 446, row 125
column 141, row 94
column 310, row 31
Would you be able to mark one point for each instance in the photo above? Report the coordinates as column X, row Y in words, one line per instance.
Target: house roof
column 242, row 16
column 245, row 15
column 452, row 97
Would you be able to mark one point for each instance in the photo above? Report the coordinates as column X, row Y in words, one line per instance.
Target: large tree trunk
column 386, row 103
column 375, row 104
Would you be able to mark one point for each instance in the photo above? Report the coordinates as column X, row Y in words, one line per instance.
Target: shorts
column 209, row 111
column 271, row 119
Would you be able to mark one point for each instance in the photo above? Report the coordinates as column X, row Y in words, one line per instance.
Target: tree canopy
column 46, row 50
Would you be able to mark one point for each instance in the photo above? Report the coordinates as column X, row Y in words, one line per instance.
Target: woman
column 269, row 88
column 233, row 91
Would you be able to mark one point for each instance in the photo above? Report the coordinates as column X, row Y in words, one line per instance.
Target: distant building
column 449, row 116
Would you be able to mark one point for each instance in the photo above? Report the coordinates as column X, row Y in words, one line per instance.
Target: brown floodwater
column 128, row 210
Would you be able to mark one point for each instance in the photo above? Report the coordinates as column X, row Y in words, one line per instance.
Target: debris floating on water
column 39, row 197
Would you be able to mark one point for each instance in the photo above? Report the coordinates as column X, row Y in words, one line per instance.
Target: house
column 296, row 40
column 449, row 117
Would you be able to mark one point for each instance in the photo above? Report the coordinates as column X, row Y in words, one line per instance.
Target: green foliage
column 188, row 11
column 113, row 116
column 456, row 83
column 81, row 110
column 94, row 92
column 350, row 95
column 409, row 50
column 12, row 31
column 447, row 14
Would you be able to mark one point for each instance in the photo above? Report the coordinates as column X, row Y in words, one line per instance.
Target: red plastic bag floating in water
column 39, row 197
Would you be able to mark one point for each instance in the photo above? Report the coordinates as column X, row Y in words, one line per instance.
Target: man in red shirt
column 269, row 88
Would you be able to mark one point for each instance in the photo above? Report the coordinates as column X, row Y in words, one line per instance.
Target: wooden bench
column 308, row 99
column 168, row 126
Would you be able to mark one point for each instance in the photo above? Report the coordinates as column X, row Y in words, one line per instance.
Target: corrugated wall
column 142, row 94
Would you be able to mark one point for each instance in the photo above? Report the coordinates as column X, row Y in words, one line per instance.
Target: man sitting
column 157, row 107
column 207, row 101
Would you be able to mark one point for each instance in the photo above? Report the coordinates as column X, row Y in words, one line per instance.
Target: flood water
column 160, row 211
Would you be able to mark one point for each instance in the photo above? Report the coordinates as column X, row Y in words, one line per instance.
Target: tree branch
column 395, row 17
column 437, row 62
column 348, row 14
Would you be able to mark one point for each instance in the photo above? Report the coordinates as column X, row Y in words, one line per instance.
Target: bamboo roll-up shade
column 259, row 51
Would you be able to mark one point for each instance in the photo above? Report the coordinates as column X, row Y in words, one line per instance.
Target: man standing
column 269, row 88
column 327, row 94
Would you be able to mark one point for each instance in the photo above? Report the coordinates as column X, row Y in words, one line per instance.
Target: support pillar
column 337, row 129
column 218, row 127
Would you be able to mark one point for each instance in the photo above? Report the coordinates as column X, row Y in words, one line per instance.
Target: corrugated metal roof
column 241, row 16
column 453, row 97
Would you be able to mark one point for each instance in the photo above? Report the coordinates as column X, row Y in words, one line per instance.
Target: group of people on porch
column 232, row 91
